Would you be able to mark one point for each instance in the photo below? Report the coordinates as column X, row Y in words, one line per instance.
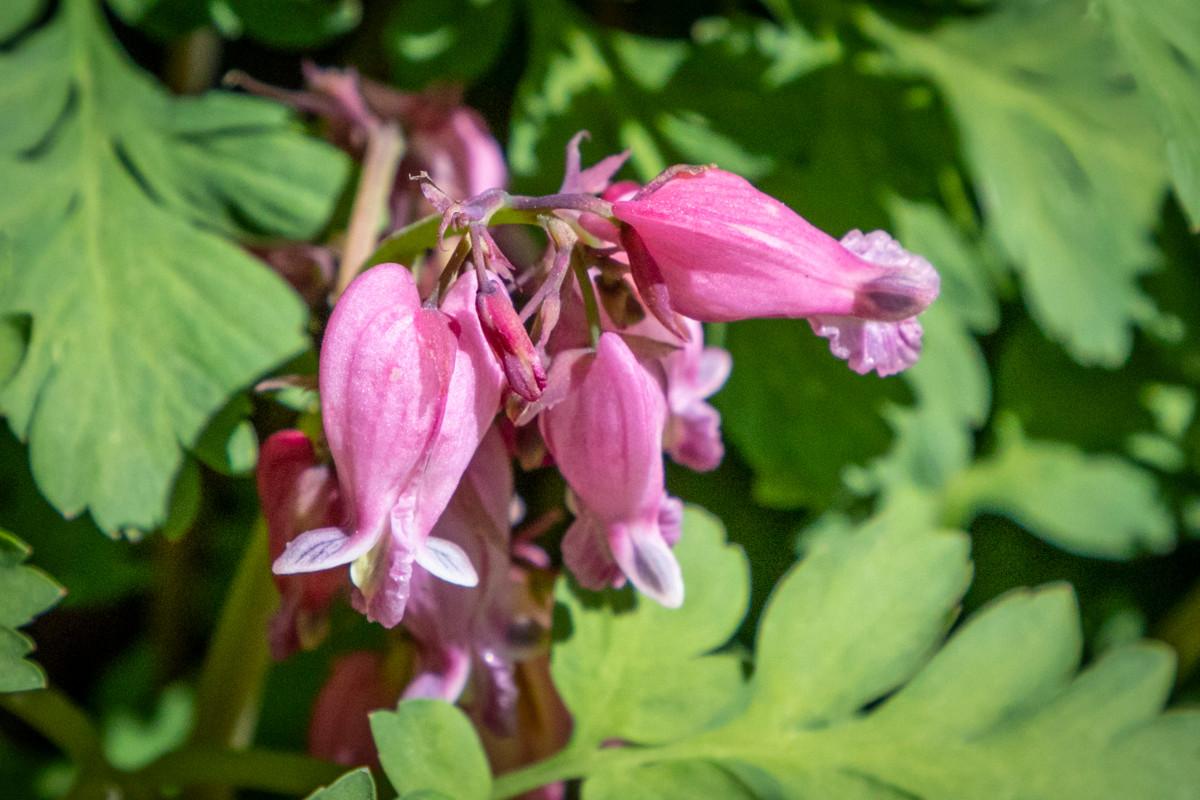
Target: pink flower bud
column 606, row 435
column 726, row 251
column 386, row 381
column 297, row 494
column 510, row 342
column 340, row 729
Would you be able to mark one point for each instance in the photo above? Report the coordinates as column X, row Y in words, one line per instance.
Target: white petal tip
column 446, row 560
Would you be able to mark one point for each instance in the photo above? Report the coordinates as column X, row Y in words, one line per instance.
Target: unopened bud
column 510, row 342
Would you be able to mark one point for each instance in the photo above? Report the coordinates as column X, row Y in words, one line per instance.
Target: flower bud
column 510, row 342
column 297, row 494
column 606, row 436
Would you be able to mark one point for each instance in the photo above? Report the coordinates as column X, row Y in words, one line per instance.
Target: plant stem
column 265, row 770
column 385, row 147
column 590, row 307
column 554, row 202
column 230, row 686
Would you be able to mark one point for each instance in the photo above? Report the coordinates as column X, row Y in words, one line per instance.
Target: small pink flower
column 340, row 729
column 695, row 373
column 386, row 382
column 461, row 631
column 298, row 494
column 714, row 248
column 605, row 430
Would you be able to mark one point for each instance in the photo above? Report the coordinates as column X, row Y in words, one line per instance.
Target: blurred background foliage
column 1045, row 156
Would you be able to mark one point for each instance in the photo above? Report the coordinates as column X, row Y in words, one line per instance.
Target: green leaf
column 356, row 785
column 858, row 616
column 1063, row 157
column 1094, row 505
column 288, row 24
column 639, row 93
column 25, row 592
column 145, row 319
column 852, row 697
column 445, row 40
column 428, row 748
column 1160, row 42
column 798, row 415
column 619, row 646
column 16, row 14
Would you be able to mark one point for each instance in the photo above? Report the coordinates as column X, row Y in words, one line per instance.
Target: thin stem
column 385, row 147
column 453, row 266
column 229, row 691
column 590, row 307
column 265, row 770
column 193, row 60
column 52, row 714
column 565, row 202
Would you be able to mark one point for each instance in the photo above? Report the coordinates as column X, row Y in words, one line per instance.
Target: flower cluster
column 429, row 390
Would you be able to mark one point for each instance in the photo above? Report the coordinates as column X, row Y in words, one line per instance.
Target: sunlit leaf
column 25, row 592
column 144, row 319
column 428, row 750
column 1063, row 157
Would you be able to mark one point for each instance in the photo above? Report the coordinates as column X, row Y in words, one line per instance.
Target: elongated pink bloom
column 387, row 366
column 297, row 494
column 606, row 435
column 461, row 631
column 721, row 250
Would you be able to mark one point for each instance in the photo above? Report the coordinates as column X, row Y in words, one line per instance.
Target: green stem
column 403, row 246
column 590, row 307
column 53, row 715
column 264, row 770
column 229, row 691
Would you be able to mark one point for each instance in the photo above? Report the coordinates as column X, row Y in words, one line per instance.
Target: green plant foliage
column 1063, row 155
column 1096, row 505
column 638, row 92
column 1160, row 42
column 25, row 592
column 356, row 785
column 429, row 750
column 853, row 694
column 146, row 318
column 617, row 648
column 289, row 24
column 797, row 414
column 432, row 41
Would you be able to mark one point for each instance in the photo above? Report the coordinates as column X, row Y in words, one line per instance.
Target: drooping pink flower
column 297, row 495
column 386, row 373
column 340, row 729
column 722, row 250
column 605, row 430
column 461, row 632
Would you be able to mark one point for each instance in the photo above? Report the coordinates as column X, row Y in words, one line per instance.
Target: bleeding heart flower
column 386, row 384
column 707, row 244
column 605, row 430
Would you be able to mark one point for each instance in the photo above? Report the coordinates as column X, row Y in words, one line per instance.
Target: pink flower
column 387, row 366
column 461, row 631
column 718, row 249
column 695, row 373
column 605, row 430
column 340, row 730
column 298, row 494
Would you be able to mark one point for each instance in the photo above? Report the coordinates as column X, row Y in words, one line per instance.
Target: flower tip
column 909, row 285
